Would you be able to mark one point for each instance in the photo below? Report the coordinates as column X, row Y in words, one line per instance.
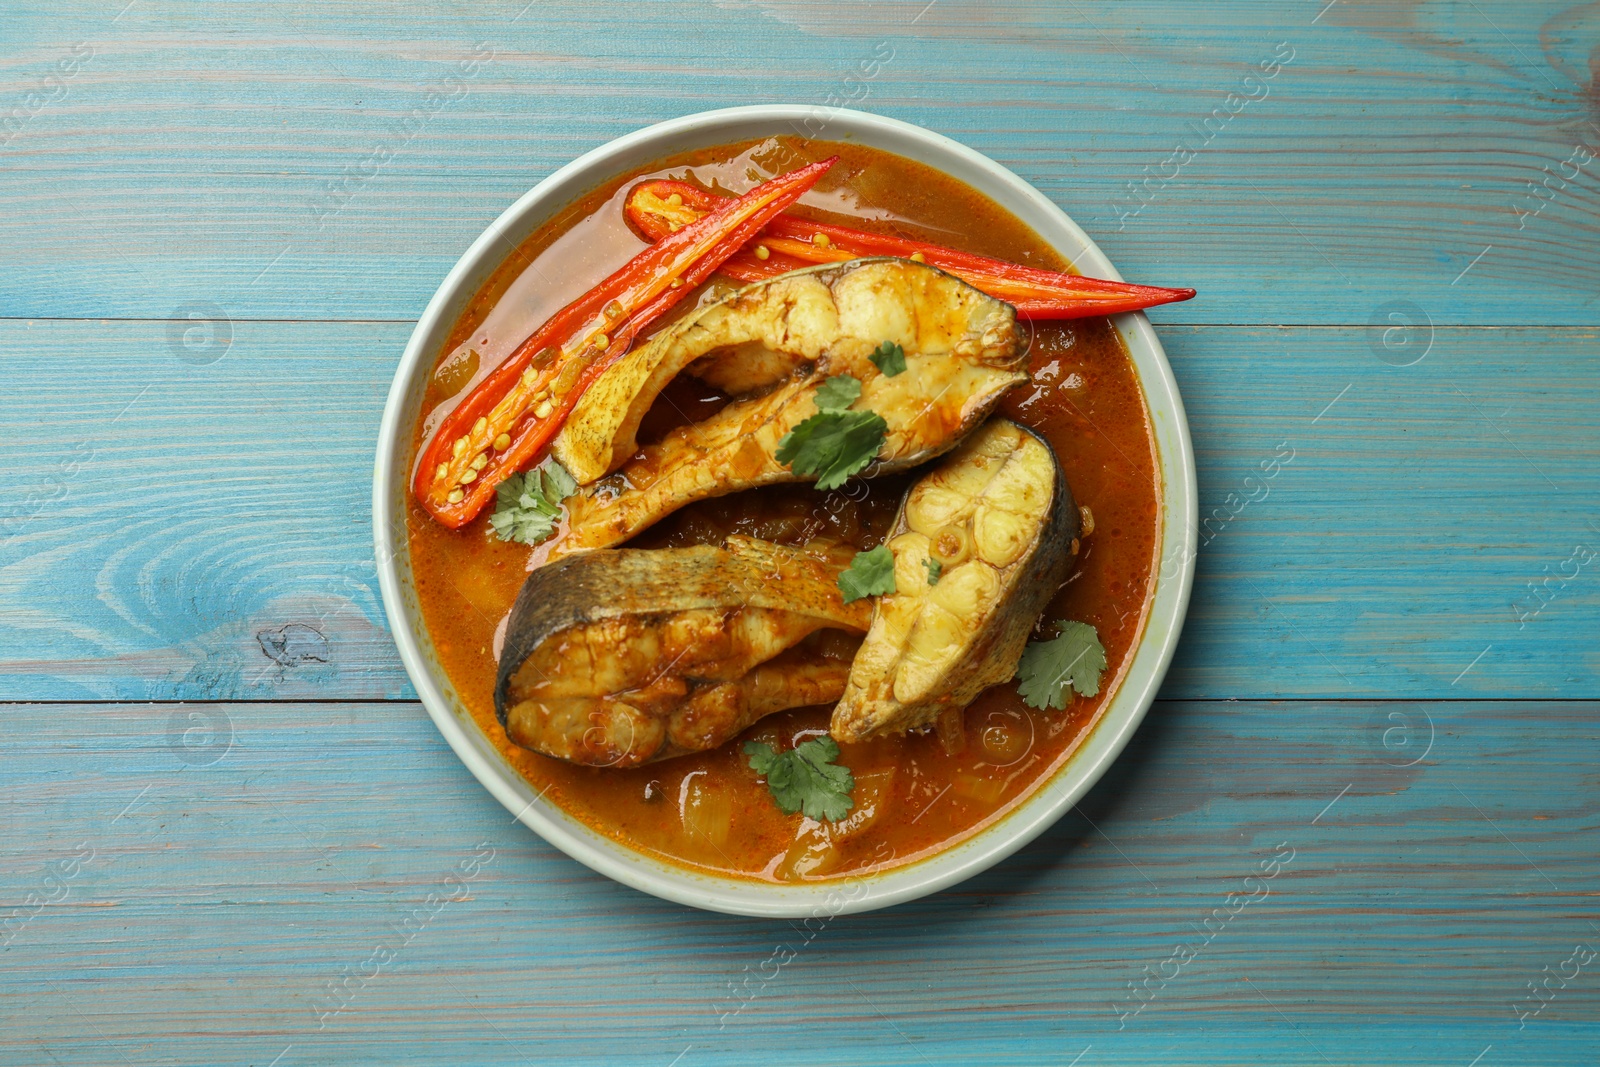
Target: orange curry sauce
column 913, row 796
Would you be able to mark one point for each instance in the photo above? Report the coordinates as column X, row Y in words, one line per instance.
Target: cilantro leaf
column 805, row 778
column 890, row 358
column 869, row 574
column 558, row 483
column 935, row 569
column 1076, row 657
column 833, row 445
column 838, row 393
column 527, row 505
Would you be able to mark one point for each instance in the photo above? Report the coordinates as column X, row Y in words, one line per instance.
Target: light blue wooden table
column 220, row 798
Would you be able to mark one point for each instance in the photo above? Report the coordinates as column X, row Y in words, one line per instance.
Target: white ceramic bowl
column 850, row 894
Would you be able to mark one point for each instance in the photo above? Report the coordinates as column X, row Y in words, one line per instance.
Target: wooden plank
column 1408, row 549
column 227, row 884
column 166, row 521
column 1400, row 154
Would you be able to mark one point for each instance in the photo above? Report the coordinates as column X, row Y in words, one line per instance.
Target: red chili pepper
column 658, row 208
column 499, row 428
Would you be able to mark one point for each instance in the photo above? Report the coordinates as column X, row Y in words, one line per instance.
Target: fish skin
column 623, row 657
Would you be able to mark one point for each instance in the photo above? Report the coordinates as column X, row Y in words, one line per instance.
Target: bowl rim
column 1052, row 797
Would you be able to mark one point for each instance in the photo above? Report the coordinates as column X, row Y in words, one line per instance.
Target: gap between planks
column 413, row 701
column 1163, row 324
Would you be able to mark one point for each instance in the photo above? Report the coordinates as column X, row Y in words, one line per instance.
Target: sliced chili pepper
column 504, row 424
column 657, row 209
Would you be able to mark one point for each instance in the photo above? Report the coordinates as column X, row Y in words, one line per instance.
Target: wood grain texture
column 167, row 524
column 231, row 881
column 218, row 227
column 189, row 160
column 213, row 506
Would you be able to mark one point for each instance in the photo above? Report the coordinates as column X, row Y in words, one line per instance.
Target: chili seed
column 762, row 252
column 444, row 468
column 918, row 257
column 459, row 447
column 676, row 199
column 480, row 461
column 456, row 496
column 820, row 240
column 502, row 442
column 481, row 425
column 543, row 410
column 468, row 475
